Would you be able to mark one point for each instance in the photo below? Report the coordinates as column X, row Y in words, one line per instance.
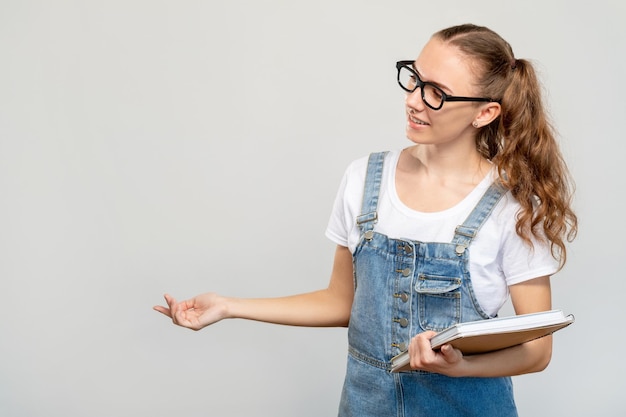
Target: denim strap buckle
column 368, row 217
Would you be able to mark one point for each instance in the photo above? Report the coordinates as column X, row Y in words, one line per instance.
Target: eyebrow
column 443, row 87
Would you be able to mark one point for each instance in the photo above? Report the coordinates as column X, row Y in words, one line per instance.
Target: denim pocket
column 438, row 301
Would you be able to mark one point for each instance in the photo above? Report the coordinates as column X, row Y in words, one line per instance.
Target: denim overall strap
column 465, row 233
column 369, row 214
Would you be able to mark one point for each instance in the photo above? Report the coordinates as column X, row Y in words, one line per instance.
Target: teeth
column 416, row 121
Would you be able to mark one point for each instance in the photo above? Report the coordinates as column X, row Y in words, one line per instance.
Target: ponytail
column 531, row 163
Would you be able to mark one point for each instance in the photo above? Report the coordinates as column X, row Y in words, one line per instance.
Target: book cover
column 484, row 336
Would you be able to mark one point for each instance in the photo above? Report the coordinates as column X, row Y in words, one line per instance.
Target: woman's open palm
column 195, row 313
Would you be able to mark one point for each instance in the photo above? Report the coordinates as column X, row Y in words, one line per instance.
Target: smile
column 416, row 121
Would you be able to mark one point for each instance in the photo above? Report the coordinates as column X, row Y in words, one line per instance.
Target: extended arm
column 328, row 307
column 527, row 297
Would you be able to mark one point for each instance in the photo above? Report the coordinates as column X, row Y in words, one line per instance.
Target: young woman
column 444, row 231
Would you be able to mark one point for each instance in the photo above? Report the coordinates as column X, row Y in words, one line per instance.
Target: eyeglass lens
column 432, row 95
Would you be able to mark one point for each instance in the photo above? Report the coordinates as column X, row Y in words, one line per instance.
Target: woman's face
column 445, row 66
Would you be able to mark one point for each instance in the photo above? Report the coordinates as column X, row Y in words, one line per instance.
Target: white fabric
column 498, row 256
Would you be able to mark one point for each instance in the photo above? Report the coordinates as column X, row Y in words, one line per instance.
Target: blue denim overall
column 403, row 287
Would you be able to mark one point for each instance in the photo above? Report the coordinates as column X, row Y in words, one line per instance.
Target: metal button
column 403, row 322
column 403, row 296
column 459, row 249
column 369, row 235
column 402, row 346
column 406, row 272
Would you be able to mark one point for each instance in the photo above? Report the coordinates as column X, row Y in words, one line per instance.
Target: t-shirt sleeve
column 522, row 262
column 535, row 263
column 341, row 225
column 337, row 230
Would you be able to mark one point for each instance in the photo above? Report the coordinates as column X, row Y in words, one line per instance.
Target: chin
column 416, row 138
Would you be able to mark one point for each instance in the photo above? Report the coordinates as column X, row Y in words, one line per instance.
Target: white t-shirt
column 498, row 256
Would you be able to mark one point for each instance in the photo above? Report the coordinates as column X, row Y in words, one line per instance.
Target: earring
column 475, row 124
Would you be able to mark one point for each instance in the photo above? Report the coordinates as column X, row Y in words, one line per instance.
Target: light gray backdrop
column 186, row 146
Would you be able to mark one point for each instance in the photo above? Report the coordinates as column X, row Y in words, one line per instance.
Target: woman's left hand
column 444, row 361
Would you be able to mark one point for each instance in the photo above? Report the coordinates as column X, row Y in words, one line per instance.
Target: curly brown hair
column 521, row 141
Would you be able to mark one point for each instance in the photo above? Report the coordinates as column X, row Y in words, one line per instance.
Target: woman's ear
column 487, row 114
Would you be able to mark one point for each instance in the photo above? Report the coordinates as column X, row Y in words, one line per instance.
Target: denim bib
column 402, row 288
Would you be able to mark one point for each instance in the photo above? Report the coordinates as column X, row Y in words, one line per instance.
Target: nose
column 414, row 100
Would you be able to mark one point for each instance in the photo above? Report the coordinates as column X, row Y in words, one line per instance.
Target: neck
column 432, row 161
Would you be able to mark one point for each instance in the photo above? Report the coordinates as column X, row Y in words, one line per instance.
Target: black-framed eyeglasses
column 433, row 96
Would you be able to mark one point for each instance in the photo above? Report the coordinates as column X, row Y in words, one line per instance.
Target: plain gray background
column 186, row 146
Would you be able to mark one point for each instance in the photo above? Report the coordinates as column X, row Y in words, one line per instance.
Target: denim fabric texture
column 402, row 288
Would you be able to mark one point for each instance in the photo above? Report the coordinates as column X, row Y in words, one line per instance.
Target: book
column 484, row 336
